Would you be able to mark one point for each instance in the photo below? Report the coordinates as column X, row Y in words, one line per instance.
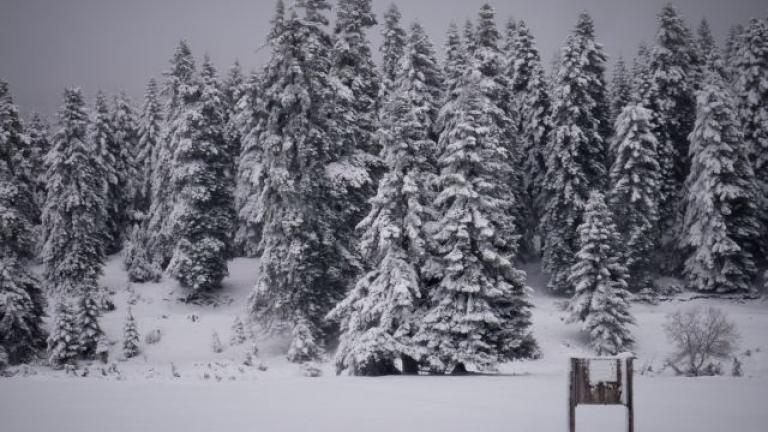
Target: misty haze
column 364, row 215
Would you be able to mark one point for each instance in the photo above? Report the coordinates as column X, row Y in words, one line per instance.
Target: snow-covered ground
column 216, row 392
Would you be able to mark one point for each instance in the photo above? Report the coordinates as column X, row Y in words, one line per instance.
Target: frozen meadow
column 216, row 392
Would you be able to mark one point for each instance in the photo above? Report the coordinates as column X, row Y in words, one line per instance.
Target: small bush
column 216, row 344
column 700, row 335
column 153, row 337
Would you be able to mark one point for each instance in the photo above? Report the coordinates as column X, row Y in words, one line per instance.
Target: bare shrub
column 700, row 335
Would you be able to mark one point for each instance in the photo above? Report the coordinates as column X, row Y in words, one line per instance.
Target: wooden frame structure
column 601, row 381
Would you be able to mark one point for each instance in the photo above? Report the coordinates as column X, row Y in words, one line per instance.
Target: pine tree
column 379, row 316
column 670, row 96
column 469, row 38
column 621, row 91
column 599, row 278
column 22, row 303
column 87, row 325
column 22, row 308
column 127, row 136
column 109, row 163
column 238, row 332
column 233, row 88
column 300, row 278
column 354, row 172
column 181, row 90
column 705, row 42
column 392, row 50
column 751, row 88
column 131, row 346
column 634, row 194
column 455, row 60
column 73, row 238
column 720, row 227
column 16, row 152
column 249, row 180
column 478, row 310
column 202, row 216
column 136, row 258
column 533, row 106
column 150, row 135
column 39, row 144
column 731, row 51
column 63, row 344
column 576, row 152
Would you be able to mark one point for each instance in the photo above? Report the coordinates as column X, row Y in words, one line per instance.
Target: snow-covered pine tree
column 620, row 91
column 63, row 343
column 478, row 312
column 40, row 144
column 131, row 346
column 126, row 137
column 705, row 42
column 353, row 175
column 576, row 152
column 136, row 258
column 530, row 93
column 202, row 216
column 488, row 59
column 16, row 151
column 510, row 40
column 634, row 194
column 181, row 89
column 109, row 163
column 299, row 277
column 468, row 37
column 731, row 51
column 599, row 278
column 391, row 49
column 380, row 314
column 150, row 132
column 238, row 332
column 233, row 87
column 249, row 181
column 22, row 303
column 455, row 64
column 720, row 227
column 73, row 239
column 670, row 96
column 87, row 325
column 751, row 88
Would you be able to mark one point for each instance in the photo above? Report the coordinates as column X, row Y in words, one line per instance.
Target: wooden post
column 630, row 402
column 572, row 395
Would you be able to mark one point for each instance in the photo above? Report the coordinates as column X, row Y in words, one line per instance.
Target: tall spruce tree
column 576, row 152
column 634, row 193
column 355, row 171
column 533, row 106
column 202, row 216
column 110, row 162
column 380, row 315
column 125, row 124
column 620, row 91
column 150, row 138
column 22, row 303
column 180, row 90
column 40, row 144
column 87, row 326
column 16, row 151
column 751, row 88
column 599, row 277
column 720, row 227
column 478, row 311
column 75, row 208
column 249, row 180
column 731, row 51
column 670, row 96
column 391, row 50
column 299, row 278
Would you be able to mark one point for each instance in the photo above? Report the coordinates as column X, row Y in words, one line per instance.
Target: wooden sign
column 600, row 381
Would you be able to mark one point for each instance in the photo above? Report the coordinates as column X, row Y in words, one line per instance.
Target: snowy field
column 216, row 392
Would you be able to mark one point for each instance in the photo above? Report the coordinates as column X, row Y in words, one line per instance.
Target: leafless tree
column 699, row 335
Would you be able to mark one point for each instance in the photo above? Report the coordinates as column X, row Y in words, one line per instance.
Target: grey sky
column 46, row 45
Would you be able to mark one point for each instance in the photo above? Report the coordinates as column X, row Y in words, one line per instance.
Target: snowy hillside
column 527, row 395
